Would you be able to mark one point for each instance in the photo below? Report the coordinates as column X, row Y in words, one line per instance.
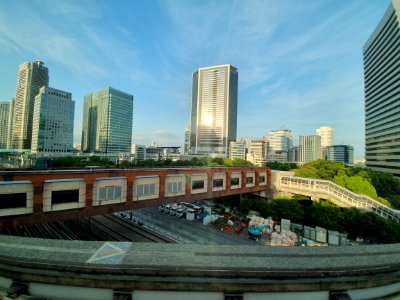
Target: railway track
column 128, row 229
column 101, row 228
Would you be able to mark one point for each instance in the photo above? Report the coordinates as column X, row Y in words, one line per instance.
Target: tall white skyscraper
column 279, row 143
column 107, row 122
column 309, row 148
column 382, row 96
column 214, row 110
column 53, row 121
column 326, row 134
column 31, row 77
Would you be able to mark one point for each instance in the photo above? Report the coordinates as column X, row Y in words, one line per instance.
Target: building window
column 218, row 183
column 234, row 181
column 261, row 179
column 110, row 192
column 174, row 187
column 16, row 200
column 66, row 196
column 249, row 180
column 197, row 185
column 147, row 189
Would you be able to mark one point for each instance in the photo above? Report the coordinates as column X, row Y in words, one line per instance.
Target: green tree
column 356, row 184
column 274, row 165
column 68, row 161
column 238, row 162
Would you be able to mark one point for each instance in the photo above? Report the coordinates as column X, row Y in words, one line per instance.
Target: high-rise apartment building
column 53, row 121
column 382, row 93
column 309, row 147
column 31, row 77
column 340, row 153
column 279, row 143
column 107, row 122
column 214, row 110
column 4, row 120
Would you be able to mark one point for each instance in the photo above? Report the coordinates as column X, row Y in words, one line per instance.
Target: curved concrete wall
column 100, row 270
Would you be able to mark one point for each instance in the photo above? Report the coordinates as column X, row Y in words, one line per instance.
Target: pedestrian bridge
column 28, row 197
column 323, row 189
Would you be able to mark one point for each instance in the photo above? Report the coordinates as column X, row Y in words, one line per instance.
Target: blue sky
column 299, row 61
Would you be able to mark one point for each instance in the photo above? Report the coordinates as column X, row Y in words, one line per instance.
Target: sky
column 299, row 61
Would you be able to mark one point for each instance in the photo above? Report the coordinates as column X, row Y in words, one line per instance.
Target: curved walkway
column 318, row 188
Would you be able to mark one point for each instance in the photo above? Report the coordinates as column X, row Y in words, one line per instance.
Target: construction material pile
column 284, row 238
column 259, row 221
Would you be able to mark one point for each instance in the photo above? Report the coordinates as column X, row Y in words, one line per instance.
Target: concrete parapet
column 199, row 268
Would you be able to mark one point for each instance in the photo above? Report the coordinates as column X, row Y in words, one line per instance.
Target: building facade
column 4, row 121
column 294, row 155
column 237, row 150
column 139, row 151
column 31, row 77
column 214, row 110
column 10, row 123
column 279, row 144
column 257, row 153
column 382, row 93
column 340, row 153
column 186, row 146
column 107, row 122
column 53, row 121
column 326, row 134
column 309, row 147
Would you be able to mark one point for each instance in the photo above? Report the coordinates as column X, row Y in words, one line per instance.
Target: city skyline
column 295, row 60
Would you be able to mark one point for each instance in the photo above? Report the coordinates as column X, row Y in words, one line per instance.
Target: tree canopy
column 383, row 187
column 327, row 215
column 274, row 165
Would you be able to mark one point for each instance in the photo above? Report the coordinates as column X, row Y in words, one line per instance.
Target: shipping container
column 333, row 237
column 320, row 234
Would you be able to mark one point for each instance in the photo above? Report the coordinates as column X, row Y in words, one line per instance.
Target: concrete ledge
column 174, row 267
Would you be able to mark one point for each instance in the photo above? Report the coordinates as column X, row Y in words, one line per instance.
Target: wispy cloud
column 37, row 36
column 159, row 137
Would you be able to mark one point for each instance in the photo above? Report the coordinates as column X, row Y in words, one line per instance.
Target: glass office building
column 53, row 121
column 279, row 143
column 340, row 153
column 381, row 54
column 214, row 110
column 107, row 122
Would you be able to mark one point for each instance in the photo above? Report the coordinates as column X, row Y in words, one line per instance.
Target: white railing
column 337, row 194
